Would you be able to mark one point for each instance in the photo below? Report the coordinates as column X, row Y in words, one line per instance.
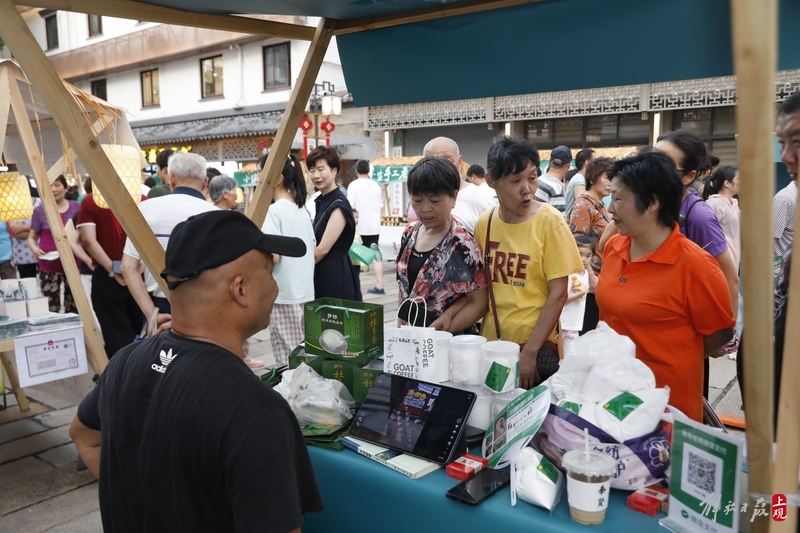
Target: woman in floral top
column 439, row 261
column 588, row 214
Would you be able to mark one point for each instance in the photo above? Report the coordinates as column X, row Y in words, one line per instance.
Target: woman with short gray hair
column 222, row 190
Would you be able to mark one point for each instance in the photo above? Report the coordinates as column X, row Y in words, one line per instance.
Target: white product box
column 37, row 306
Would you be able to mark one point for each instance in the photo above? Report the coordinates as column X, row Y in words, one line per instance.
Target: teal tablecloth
column 361, row 495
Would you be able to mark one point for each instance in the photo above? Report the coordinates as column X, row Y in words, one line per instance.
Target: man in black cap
column 181, row 433
column 551, row 184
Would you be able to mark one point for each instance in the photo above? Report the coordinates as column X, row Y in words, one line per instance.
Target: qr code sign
column 702, row 473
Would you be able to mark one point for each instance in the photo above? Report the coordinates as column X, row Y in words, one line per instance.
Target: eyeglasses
column 683, row 170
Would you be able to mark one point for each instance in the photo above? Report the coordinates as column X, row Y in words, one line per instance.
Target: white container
column 500, row 401
column 499, row 366
column 29, row 288
column 465, row 359
column 481, row 415
column 37, row 306
column 441, row 351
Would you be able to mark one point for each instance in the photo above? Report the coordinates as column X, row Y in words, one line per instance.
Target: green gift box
column 340, row 371
column 314, row 361
column 363, row 379
column 344, row 330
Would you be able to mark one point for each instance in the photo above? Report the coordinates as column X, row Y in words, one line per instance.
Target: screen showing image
column 415, row 417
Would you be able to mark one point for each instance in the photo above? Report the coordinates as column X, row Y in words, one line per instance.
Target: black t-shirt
column 193, row 441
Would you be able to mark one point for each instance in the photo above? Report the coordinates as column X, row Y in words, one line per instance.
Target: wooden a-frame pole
column 95, row 351
column 129, row 9
column 290, row 122
column 72, row 122
column 754, row 24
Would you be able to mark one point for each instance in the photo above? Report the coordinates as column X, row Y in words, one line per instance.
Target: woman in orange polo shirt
column 659, row 288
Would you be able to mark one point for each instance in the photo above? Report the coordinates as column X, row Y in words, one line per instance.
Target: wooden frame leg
column 754, row 24
column 13, row 379
column 257, row 211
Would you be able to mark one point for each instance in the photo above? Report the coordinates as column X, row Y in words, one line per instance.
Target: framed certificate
column 50, row 356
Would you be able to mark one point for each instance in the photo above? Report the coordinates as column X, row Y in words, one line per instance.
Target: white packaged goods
column 537, row 480
column 481, row 415
column 499, row 366
column 314, row 399
column 465, row 359
column 609, row 378
column 630, row 415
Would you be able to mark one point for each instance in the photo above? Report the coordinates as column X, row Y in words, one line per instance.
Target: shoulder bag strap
column 492, row 305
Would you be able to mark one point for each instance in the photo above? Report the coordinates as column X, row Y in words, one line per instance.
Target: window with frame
column 150, row 94
column 51, row 30
column 98, row 89
column 211, row 77
column 277, row 66
column 95, row 25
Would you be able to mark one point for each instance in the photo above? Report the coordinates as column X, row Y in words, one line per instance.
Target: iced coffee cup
column 588, row 485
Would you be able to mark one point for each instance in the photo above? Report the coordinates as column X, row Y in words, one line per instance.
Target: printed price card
column 50, row 356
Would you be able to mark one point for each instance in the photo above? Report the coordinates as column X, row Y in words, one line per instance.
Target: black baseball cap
column 561, row 155
column 212, row 239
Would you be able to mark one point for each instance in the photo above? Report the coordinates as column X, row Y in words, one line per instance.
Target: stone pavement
column 42, row 491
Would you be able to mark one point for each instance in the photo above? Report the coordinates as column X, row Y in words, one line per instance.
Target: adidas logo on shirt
column 166, row 359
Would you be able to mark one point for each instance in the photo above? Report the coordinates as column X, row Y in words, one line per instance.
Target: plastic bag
column 603, row 343
column 641, row 461
column 610, row 378
column 537, row 480
column 314, row 399
column 630, row 415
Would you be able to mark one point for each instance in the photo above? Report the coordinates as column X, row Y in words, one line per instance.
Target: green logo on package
column 547, row 468
column 571, row 406
column 497, row 376
column 623, row 405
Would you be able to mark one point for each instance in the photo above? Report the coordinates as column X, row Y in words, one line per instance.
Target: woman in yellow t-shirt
column 531, row 254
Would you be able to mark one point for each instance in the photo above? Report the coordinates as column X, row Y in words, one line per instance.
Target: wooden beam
column 95, row 350
column 13, row 380
column 60, row 166
column 5, row 104
column 754, row 24
column 788, row 433
column 129, row 9
column 257, row 211
column 421, row 15
column 72, row 122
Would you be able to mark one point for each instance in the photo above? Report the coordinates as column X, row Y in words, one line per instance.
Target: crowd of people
column 653, row 236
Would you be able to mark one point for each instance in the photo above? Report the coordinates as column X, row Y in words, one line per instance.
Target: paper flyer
column 514, row 427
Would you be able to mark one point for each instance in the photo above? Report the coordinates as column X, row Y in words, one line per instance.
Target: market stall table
column 361, row 495
column 7, row 357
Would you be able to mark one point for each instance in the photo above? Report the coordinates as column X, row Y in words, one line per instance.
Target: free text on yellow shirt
column 522, row 259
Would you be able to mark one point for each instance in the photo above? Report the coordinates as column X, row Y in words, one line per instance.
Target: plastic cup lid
column 591, row 464
column 468, row 339
column 500, row 347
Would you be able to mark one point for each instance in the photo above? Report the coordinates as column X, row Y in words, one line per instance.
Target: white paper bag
column 410, row 353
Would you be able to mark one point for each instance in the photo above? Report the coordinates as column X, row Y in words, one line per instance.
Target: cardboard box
column 466, row 466
column 37, row 306
column 314, row 361
column 352, row 329
column 363, row 378
column 340, row 371
column 649, row 500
